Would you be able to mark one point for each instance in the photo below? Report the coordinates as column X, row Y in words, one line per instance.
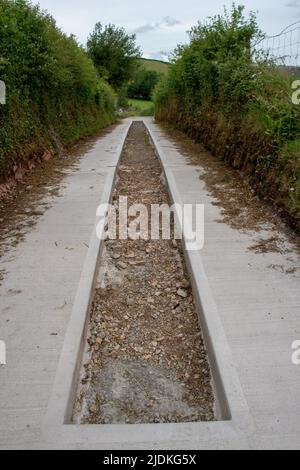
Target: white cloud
column 168, row 21
column 160, row 25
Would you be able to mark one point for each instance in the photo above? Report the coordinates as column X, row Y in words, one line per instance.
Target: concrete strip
column 258, row 306
column 61, row 403
column 39, row 288
column 231, row 401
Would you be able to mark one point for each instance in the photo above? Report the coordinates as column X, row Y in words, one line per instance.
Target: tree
column 143, row 85
column 115, row 54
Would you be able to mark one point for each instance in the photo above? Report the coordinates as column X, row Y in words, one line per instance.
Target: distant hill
column 157, row 65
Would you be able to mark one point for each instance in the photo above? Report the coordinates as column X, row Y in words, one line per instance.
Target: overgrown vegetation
column 142, row 87
column 54, row 93
column 141, row 107
column 238, row 104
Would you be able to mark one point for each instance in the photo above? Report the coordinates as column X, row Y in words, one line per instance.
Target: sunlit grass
column 141, row 107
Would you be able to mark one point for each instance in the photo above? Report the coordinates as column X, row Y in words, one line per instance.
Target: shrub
column 239, row 105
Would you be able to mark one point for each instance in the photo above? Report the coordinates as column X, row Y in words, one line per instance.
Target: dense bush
column 142, row 87
column 53, row 89
column 238, row 104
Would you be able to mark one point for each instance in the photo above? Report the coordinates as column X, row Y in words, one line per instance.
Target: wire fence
column 284, row 47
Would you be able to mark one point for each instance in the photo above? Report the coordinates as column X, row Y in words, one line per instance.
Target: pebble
column 182, row 293
column 93, row 409
column 122, row 265
column 116, row 256
column 185, row 284
column 140, row 263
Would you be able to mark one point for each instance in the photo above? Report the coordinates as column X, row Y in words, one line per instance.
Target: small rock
column 182, row 293
column 122, row 265
column 116, row 256
column 174, row 244
column 185, row 284
column 140, row 263
column 93, row 409
column 47, row 156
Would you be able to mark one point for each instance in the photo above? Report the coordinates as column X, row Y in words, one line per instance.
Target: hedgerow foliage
column 239, row 104
column 142, row 87
column 53, row 88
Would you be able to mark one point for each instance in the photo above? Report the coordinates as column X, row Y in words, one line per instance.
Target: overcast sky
column 161, row 24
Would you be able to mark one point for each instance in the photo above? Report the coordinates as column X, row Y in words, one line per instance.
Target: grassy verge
column 141, row 107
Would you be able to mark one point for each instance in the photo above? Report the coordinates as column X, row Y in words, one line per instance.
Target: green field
column 156, row 65
column 141, row 107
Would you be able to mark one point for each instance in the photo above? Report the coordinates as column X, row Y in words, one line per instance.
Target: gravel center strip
column 145, row 359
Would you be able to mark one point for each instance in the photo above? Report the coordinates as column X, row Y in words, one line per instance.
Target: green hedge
column 53, row 89
column 239, row 105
